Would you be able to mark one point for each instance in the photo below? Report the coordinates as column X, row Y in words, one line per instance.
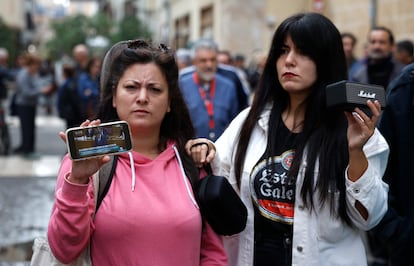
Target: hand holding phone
column 98, row 140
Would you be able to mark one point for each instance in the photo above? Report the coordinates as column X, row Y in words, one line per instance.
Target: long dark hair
column 324, row 131
column 177, row 125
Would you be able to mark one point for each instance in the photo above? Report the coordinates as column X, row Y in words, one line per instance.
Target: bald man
column 80, row 54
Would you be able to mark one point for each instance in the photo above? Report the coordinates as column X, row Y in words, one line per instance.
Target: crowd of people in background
column 217, row 85
column 68, row 88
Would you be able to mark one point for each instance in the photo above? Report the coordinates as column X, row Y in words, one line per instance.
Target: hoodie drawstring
column 131, row 160
column 186, row 181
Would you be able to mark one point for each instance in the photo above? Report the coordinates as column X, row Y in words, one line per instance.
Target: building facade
column 241, row 26
column 244, row 26
column 13, row 13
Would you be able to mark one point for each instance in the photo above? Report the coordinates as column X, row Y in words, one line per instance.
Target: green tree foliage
column 130, row 27
column 9, row 39
column 74, row 30
column 100, row 24
column 67, row 33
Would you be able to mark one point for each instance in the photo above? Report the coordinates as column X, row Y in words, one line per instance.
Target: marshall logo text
column 366, row 94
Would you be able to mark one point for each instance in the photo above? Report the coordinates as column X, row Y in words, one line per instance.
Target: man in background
column 380, row 68
column 232, row 74
column 210, row 97
column 404, row 52
column 80, row 53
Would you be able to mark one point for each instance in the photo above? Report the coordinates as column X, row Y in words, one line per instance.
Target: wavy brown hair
column 177, row 125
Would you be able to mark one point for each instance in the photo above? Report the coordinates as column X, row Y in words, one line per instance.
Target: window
column 207, row 18
column 182, row 31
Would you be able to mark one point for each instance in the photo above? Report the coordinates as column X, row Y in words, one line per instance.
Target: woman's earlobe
column 113, row 96
column 113, row 101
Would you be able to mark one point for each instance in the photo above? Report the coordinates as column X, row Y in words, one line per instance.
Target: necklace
column 292, row 124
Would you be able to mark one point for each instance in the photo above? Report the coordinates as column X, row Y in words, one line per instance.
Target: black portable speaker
column 347, row 95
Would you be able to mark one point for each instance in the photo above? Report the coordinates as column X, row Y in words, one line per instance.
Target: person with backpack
column 68, row 102
column 149, row 215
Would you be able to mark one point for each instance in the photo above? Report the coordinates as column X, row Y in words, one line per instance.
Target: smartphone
column 93, row 141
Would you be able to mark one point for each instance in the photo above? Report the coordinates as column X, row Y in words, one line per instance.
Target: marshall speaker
column 347, row 95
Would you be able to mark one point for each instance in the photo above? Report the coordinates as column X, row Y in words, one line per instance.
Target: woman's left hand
column 81, row 170
column 361, row 126
column 201, row 150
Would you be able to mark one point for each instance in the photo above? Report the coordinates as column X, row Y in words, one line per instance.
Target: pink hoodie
column 157, row 223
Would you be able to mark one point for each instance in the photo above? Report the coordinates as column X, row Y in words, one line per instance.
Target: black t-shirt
column 273, row 196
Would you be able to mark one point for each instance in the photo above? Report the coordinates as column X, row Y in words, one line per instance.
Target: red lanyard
column 208, row 102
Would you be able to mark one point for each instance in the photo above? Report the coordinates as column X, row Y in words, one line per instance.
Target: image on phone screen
column 108, row 138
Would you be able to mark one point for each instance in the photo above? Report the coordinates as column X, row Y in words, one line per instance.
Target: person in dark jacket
column 5, row 74
column 380, row 67
column 68, row 100
column 396, row 229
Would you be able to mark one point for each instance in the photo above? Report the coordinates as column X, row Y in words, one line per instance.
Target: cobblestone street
column 26, row 191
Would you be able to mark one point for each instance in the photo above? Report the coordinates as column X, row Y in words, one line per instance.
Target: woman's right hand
column 83, row 169
column 202, row 151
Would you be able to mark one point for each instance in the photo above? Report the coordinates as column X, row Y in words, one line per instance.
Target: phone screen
column 107, row 138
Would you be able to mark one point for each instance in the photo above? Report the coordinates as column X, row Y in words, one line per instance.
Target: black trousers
column 27, row 116
column 273, row 250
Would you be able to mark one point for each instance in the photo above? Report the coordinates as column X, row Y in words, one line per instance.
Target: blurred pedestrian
column 156, row 222
column 80, row 54
column 28, row 90
column 231, row 73
column 225, row 60
column 210, row 97
column 349, row 41
column 311, row 177
column 255, row 69
column 47, row 78
column 404, row 52
column 88, row 88
column 183, row 58
column 68, row 100
column 380, row 68
column 224, row 57
column 239, row 61
column 5, row 75
column 5, row 78
column 19, row 64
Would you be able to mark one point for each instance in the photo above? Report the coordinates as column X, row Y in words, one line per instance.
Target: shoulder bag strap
column 106, row 174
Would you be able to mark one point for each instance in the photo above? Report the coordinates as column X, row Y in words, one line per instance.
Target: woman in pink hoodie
column 149, row 215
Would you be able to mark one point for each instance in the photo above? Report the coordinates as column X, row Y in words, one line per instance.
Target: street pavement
column 26, row 189
column 49, row 149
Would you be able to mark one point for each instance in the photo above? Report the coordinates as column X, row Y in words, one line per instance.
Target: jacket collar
column 264, row 117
